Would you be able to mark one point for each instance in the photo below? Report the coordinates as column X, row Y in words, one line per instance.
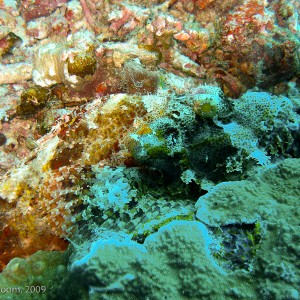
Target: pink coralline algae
column 239, row 44
column 32, row 9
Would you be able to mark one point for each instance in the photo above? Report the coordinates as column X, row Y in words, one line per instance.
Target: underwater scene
column 150, row 149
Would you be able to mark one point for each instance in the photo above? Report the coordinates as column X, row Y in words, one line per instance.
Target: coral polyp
column 207, row 106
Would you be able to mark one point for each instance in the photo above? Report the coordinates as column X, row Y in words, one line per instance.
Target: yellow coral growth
column 40, row 199
column 144, row 129
column 113, row 126
column 203, row 4
column 38, row 219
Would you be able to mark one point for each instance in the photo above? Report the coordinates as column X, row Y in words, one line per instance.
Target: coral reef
column 225, row 255
column 179, row 139
column 128, row 130
column 198, row 38
column 149, row 149
column 257, row 201
column 183, row 38
column 129, row 270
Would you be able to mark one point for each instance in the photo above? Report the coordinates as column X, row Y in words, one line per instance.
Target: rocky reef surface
column 149, row 149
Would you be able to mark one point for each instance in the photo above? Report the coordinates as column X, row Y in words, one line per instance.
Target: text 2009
column 35, row 289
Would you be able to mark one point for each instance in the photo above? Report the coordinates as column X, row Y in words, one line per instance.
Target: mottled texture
column 3, row 139
column 269, row 197
column 118, row 115
column 32, row 9
column 34, row 277
column 117, row 268
column 184, row 259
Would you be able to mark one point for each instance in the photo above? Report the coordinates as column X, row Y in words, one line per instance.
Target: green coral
column 271, row 118
column 82, row 65
column 157, row 151
column 41, row 273
column 254, row 216
column 173, row 263
column 32, row 100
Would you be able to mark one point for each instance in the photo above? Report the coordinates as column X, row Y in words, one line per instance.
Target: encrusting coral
column 125, row 130
column 34, row 277
column 256, row 201
column 227, row 247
